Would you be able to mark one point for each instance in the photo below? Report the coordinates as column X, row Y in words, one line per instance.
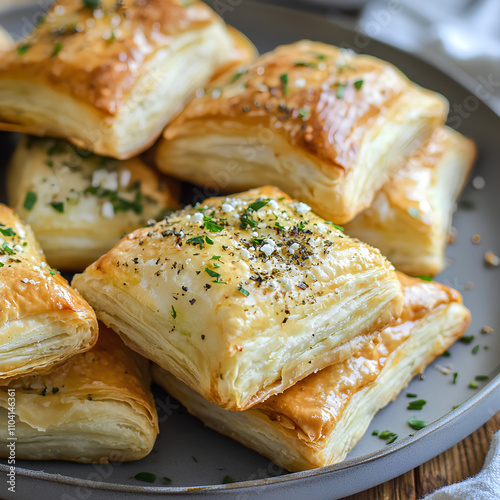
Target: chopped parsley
column 303, row 112
column 173, row 312
column 2, row 264
column 91, row 4
column 455, row 375
column 388, row 436
column 214, row 274
column 7, row 249
column 321, row 57
column 481, row 378
column 410, row 395
column 246, row 220
column 466, row 204
column 237, row 76
column 217, row 257
column 305, row 63
column 147, row 477
column 244, row 292
column 209, row 241
column 227, row 480
column 7, row 232
column 166, row 481
column 22, row 49
column 340, row 90
column 198, row 240
column 58, row 206
column 284, row 83
column 212, row 226
column 30, row 200
column 473, row 385
column 426, row 278
column 416, row 424
column 375, row 432
column 416, row 405
column 475, row 349
column 57, row 48
column 467, row 339
column 358, row 84
column 257, row 205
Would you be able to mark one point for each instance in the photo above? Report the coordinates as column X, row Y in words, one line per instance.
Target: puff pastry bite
column 110, row 78
column 325, row 125
column 78, row 204
column 241, row 297
column 43, row 321
column 410, row 216
column 94, row 408
column 319, row 420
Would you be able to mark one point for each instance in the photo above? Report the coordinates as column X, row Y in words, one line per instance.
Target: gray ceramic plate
column 197, row 459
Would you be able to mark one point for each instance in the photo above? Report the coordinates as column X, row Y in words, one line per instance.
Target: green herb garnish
column 473, row 385
column 209, row 241
column 467, row 339
column 57, row 48
column 173, row 312
column 215, row 275
column 7, row 232
column 455, row 375
column 30, row 200
column 305, row 63
column 481, row 378
column 303, row 112
column 284, row 83
column 358, row 84
column 388, row 436
column 375, row 432
column 416, row 424
column 198, row 240
column 22, row 49
column 257, row 205
column 212, row 226
column 147, row 477
column 7, row 249
column 475, row 349
column 227, row 480
column 58, row 206
column 417, row 405
column 340, row 90
column 91, row 4
column 246, row 293
column 410, row 395
column 166, row 481
column 426, row 278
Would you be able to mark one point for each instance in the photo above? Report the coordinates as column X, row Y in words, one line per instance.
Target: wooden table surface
column 463, row 460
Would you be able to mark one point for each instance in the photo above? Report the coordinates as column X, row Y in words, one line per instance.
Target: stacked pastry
column 262, row 316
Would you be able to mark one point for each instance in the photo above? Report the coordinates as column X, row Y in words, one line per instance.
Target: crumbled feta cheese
column 300, row 83
column 273, row 204
column 321, row 227
column 106, row 180
column 125, row 177
column 267, row 249
column 108, row 210
column 245, row 253
column 255, row 234
column 226, row 207
column 293, row 247
column 18, row 248
column 302, row 208
column 197, row 217
column 43, row 264
column 287, row 283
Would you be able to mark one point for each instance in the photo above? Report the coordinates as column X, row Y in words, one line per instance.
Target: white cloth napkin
column 466, row 32
column 484, row 486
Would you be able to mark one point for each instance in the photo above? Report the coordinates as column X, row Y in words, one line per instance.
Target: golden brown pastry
column 43, row 321
column 94, row 408
column 83, row 203
column 241, row 297
column 109, row 78
column 410, row 216
column 325, row 125
column 320, row 419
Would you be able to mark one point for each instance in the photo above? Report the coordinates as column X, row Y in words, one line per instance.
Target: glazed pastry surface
column 243, row 296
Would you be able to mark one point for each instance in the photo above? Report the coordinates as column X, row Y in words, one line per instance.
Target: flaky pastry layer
column 243, row 296
column 325, row 125
column 410, row 216
column 94, row 408
column 43, row 321
column 320, row 419
column 83, row 203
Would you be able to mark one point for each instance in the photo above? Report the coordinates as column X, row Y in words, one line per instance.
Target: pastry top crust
column 97, row 54
column 108, row 370
column 28, row 286
column 249, row 262
column 321, row 97
column 82, row 194
column 410, row 190
column 311, row 408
